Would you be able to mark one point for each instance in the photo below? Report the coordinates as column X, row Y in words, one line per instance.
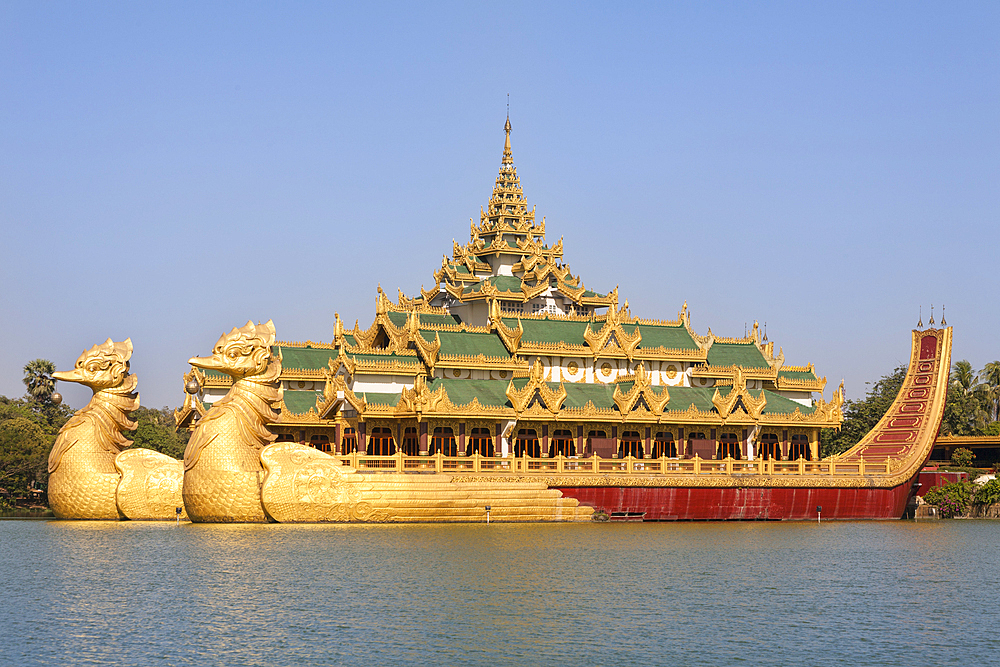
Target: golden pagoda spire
column 508, row 210
column 508, row 156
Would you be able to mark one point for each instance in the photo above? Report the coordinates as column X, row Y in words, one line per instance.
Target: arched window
column 526, row 443
column 729, row 446
column 482, row 442
column 285, row 437
column 768, row 447
column 381, row 442
column 443, row 441
column 631, row 444
column 349, row 443
column 320, row 442
column 411, row 445
column 799, row 448
column 562, row 442
column 664, row 445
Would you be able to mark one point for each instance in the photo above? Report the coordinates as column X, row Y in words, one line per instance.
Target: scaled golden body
column 87, row 462
column 222, row 470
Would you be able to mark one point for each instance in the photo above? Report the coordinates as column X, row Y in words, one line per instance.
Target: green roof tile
column 736, row 354
column 430, row 318
column 461, row 392
column 299, row 402
column 502, row 283
column 383, row 357
column 780, row 405
column 671, row 338
column 797, row 375
column 550, row 331
column 380, row 398
column 306, row 357
column 681, row 398
column 578, row 394
column 469, row 344
column 397, row 318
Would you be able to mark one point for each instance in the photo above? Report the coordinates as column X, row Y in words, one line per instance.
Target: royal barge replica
column 548, row 401
column 507, row 390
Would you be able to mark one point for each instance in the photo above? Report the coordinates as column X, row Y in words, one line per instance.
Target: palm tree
column 38, row 379
column 963, row 377
column 990, row 376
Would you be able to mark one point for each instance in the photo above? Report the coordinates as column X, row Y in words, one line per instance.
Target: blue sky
column 169, row 171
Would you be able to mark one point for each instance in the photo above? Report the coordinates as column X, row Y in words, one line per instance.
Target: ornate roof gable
column 612, row 334
column 739, row 397
column 536, row 395
column 511, row 337
column 640, row 395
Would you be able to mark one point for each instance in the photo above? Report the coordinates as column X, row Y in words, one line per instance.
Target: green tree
column 38, row 379
column 966, row 406
column 155, row 430
column 990, row 377
column 860, row 416
column 25, row 440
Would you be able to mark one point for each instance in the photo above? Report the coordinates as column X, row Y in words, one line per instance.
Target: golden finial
column 943, row 322
column 920, row 323
column 508, row 156
column 930, row 322
column 765, row 331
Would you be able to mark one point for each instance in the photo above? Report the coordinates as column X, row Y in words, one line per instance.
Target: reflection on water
column 894, row 593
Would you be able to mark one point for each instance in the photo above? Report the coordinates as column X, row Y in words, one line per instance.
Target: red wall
column 748, row 504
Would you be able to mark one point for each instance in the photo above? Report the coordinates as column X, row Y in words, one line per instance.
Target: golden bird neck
column 260, row 392
column 116, row 403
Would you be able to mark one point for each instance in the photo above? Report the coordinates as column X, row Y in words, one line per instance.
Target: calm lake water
column 892, row 593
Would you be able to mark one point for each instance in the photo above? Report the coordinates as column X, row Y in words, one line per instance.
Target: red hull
column 743, row 504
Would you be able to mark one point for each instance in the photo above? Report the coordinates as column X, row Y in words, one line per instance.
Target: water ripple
column 891, row 593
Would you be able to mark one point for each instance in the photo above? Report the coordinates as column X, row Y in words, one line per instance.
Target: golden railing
column 569, row 465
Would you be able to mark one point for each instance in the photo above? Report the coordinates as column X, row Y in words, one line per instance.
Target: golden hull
column 223, row 496
column 150, row 486
column 304, row 485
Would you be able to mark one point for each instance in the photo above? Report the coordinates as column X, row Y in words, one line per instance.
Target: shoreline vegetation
column 29, row 425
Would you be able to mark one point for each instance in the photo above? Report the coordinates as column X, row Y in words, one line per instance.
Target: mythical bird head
column 243, row 352
column 101, row 367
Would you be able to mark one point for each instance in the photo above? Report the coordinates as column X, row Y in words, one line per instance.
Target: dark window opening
column 411, row 445
column 349, row 442
column 381, row 442
column 562, row 442
column 526, row 443
column 482, row 442
column 799, row 448
column 443, row 441
column 729, row 446
column 631, row 444
column 768, row 447
column 664, row 445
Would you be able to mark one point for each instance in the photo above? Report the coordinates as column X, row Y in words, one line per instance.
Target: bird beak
column 213, row 363
column 68, row 376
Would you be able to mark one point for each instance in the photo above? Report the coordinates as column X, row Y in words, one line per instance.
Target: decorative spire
column 944, row 323
column 508, row 209
column 920, row 323
column 508, row 156
column 930, row 322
